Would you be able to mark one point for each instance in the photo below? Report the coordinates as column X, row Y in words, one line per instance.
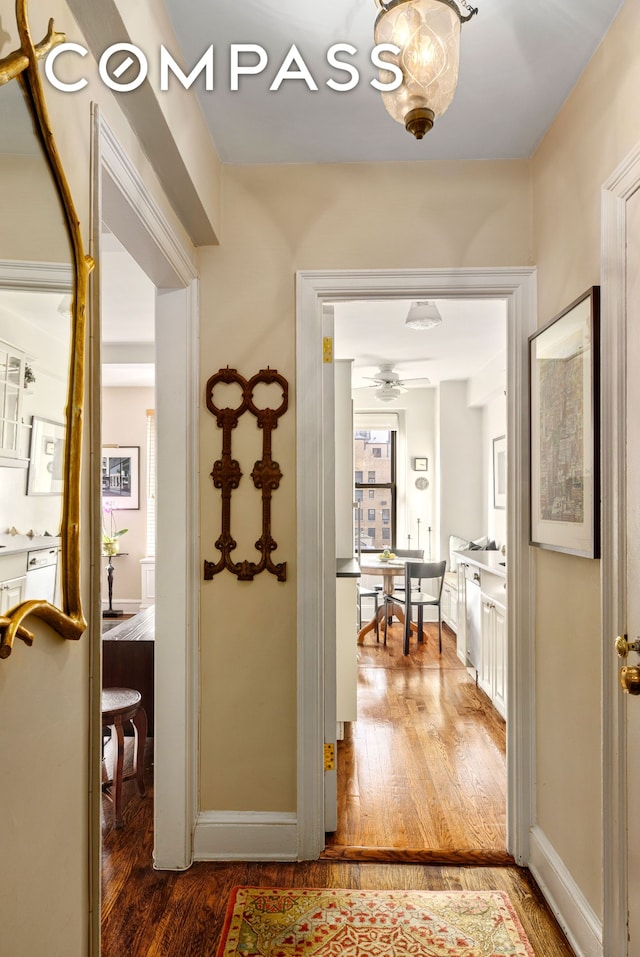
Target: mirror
column 43, row 282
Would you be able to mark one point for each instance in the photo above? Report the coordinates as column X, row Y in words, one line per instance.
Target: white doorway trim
column 121, row 200
column 518, row 288
column 617, row 190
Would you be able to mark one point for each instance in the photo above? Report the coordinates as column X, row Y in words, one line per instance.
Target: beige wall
column 597, row 127
column 278, row 220
column 124, row 422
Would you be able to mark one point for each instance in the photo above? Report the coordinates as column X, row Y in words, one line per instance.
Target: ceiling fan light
column 423, row 315
column 427, row 33
column 387, row 393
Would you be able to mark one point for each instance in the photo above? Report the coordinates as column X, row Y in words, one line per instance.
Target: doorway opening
column 123, row 207
column 420, row 444
column 316, row 492
column 128, row 488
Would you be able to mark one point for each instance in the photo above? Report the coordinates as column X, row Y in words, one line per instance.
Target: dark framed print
column 121, row 476
column 500, row 472
column 564, row 365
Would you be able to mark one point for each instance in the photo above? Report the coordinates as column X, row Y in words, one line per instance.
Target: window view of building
column 379, row 445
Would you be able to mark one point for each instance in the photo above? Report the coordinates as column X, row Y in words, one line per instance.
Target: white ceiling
column 519, row 60
column 128, row 318
column 472, row 334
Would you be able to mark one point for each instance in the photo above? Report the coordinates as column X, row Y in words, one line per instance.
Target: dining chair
column 364, row 592
column 416, row 594
column 417, row 553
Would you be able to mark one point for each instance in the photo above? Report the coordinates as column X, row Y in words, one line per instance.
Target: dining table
column 388, row 570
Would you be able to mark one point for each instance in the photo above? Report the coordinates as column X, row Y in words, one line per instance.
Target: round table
column 371, row 565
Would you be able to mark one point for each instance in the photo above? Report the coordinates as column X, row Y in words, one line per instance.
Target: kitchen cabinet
column 23, row 560
column 482, row 618
column 11, row 593
column 11, row 387
column 347, row 575
column 492, row 671
column 449, row 601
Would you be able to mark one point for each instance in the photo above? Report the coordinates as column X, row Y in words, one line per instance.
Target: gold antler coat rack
column 266, row 474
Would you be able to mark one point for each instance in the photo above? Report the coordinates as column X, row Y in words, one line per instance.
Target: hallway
column 147, row 913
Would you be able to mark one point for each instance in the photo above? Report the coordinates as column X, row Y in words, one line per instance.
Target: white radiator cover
column 147, row 582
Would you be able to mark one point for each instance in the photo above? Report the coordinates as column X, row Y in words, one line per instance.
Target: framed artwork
column 46, row 457
column 565, row 430
column 500, row 472
column 420, row 465
column 121, row 476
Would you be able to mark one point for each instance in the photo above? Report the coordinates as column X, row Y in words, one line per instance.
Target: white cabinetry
column 346, row 652
column 11, row 593
column 12, row 580
column 450, row 601
column 11, row 387
column 492, row 672
column 482, row 617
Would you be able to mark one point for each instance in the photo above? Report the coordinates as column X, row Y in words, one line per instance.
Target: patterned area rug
column 329, row 922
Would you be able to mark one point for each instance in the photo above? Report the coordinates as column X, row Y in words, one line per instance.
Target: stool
column 119, row 705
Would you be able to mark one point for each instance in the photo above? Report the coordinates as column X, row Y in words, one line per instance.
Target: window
column 380, row 482
column 359, row 494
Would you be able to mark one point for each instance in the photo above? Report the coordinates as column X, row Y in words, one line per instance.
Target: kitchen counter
column 12, row 544
column 347, row 568
column 489, row 561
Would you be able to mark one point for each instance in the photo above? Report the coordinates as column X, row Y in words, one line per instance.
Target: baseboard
column 130, row 606
column 245, row 836
column 574, row 914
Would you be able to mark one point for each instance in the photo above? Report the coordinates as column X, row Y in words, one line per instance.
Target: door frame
column 121, row 199
column 616, row 191
column 517, row 286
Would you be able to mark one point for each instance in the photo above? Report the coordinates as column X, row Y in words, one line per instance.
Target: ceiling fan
column 389, row 385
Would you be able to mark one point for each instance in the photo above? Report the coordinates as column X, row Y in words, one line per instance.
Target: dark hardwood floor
column 147, row 913
column 420, row 709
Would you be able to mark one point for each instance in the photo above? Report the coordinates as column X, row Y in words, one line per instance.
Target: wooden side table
column 120, row 705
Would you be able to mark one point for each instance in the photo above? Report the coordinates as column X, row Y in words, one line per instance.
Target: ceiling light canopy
column 423, row 315
column 427, row 33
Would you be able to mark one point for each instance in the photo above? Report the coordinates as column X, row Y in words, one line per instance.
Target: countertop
column 490, row 561
column 11, row 544
column 347, row 568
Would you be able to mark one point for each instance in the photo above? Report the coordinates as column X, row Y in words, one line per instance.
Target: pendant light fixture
column 427, row 33
column 423, row 315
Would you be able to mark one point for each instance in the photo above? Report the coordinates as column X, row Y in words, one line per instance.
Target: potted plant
column 111, row 534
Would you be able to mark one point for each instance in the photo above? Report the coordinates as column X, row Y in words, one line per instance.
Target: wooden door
column 633, row 561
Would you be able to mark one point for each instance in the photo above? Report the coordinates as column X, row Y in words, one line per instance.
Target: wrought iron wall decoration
column 266, row 474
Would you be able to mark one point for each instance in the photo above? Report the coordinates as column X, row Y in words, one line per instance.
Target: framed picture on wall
column 500, row 472
column 46, row 457
column 565, row 429
column 121, row 476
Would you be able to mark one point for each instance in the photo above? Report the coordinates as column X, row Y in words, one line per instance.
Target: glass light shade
column 388, row 393
column 427, row 33
column 423, row 315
